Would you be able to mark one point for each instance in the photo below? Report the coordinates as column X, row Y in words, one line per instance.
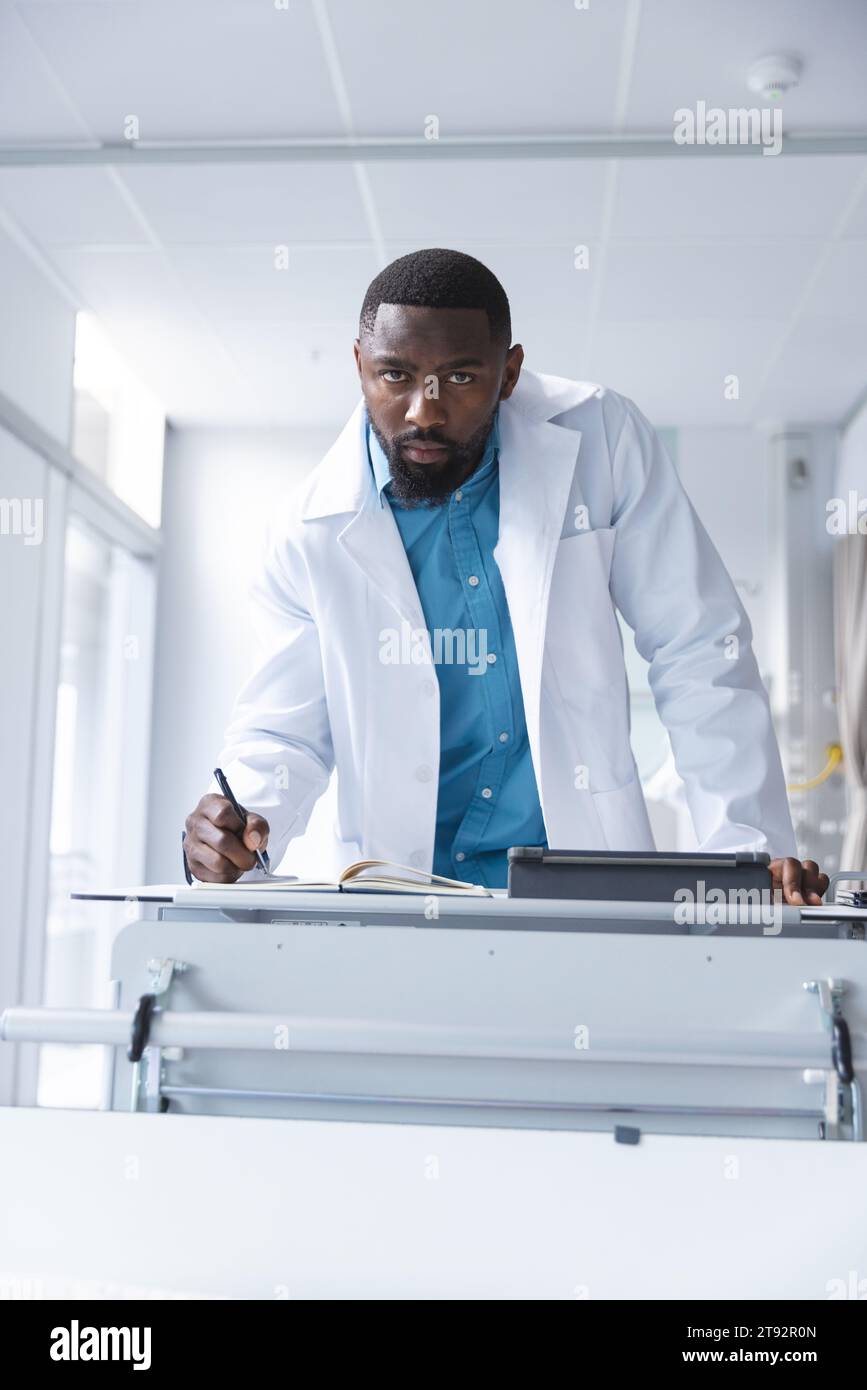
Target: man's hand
column 802, row 883
column 219, row 849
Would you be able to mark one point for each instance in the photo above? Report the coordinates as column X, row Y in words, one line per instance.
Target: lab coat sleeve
column 278, row 753
column 674, row 592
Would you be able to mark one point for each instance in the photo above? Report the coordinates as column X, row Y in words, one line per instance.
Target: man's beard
column 431, row 484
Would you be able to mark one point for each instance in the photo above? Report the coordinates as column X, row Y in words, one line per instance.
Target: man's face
column 432, row 380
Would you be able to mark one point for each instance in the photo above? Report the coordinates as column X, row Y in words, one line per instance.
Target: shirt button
column 492, row 656
column 487, row 793
column 458, row 495
column 473, row 581
column 504, row 738
column 460, row 856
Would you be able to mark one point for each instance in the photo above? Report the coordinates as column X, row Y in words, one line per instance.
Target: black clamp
column 141, row 1026
column 841, row 1050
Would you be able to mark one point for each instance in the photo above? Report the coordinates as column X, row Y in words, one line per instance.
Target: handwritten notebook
column 365, row 876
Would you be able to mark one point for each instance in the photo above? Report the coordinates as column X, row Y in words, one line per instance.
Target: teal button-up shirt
column 487, row 798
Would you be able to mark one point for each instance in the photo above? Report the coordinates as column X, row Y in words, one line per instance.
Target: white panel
column 254, row 203
column 334, row 1210
column 557, row 346
column 857, row 225
column 206, row 68
column 675, row 371
column 725, row 472
column 821, row 373
column 782, row 196
column 317, row 286
column 841, row 288
column 736, row 281
column 690, row 52
column 852, row 466
column 456, row 203
column 23, row 521
column 305, row 373
column 36, row 344
column 485, row 67
column 60, row 207
column 32, row 105
column 220, row 489
column 142, row 304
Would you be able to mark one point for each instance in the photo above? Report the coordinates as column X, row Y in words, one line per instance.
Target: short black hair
column 439, row 279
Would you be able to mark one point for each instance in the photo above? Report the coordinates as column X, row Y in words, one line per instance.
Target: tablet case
column 618, row 875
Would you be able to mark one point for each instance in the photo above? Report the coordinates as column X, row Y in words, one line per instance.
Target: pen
column 187, row 875
column 261, row 855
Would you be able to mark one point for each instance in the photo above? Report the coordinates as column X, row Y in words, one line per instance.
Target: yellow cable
column 835, row 757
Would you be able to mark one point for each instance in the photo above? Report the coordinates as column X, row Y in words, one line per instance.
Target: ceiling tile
column 690, row 52
column 740, row 281
column 70, row 207
column 840, row 290
column 480, row 68
column 318, row 286
column 447, row 202
column 676, row 371
column 32, row 104
column 731, row 197
column 820, row 374
column 236, row 204
column 204, row 69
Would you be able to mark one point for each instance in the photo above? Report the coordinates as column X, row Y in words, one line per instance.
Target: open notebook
column 365, row 876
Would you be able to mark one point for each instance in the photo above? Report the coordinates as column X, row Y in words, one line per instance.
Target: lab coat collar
column 343, row 481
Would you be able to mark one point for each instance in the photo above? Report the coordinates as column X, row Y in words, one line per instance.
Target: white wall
column 726, row 473
column 36, row 343
column 852, row 472
column 36, row 351
column 218, row 489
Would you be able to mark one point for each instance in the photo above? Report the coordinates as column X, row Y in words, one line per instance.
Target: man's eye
column 465, row 377
column 392, row 374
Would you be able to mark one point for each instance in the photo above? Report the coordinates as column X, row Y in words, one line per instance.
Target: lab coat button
column 428, row 687
column 416, row 859
column 424, row 773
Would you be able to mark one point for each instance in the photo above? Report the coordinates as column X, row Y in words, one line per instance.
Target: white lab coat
column 592, row 515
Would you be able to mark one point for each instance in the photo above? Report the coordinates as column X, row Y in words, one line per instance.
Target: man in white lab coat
column 437, row 616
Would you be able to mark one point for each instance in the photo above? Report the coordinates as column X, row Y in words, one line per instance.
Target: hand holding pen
column 222, row 840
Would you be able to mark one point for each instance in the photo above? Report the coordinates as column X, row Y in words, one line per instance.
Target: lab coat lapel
column 537, row 468
column 371, row 537
column 373, row 541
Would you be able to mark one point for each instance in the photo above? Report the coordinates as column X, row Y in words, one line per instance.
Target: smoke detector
column 774, row 75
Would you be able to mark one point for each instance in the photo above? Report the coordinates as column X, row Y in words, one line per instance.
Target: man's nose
column 425, row 412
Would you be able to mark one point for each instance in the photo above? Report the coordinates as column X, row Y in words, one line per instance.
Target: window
column 118, row 426
column 99, row 785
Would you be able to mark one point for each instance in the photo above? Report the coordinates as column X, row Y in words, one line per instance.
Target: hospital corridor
column 433, row 630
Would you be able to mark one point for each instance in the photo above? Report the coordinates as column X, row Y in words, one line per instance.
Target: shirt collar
column 382, row 475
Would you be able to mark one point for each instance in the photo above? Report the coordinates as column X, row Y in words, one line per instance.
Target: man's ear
column 356, row 348
column 511, row 371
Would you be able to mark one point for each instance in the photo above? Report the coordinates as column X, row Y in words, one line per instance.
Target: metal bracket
column 162, row 972
column 840, row 1079
column 844, row 876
